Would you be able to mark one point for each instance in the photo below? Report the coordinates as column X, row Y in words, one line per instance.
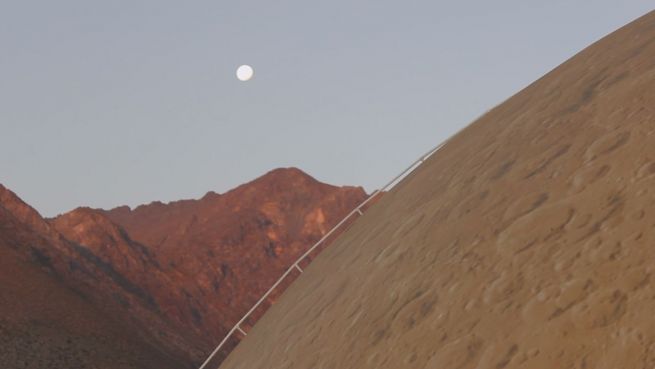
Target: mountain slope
column 187, row 271
column 525, row 242
column 222, row 252
column 201, row 265
column 46, row 324
column 124, row 277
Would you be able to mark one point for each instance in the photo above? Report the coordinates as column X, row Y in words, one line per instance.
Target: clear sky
column 105, row 103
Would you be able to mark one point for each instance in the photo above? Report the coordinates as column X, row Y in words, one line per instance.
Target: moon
column 245, row 72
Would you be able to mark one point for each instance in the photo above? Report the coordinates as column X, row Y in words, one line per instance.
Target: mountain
column 46, row 323
column 526, row 241
column 222, row 252
column 123, row 276
column 177, row 275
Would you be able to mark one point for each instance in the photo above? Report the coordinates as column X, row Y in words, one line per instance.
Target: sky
column 108, row 103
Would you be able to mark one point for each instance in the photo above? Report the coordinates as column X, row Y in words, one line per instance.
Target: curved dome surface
column 526, row 242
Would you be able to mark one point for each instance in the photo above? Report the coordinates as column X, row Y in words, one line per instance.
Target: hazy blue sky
column 104, row 103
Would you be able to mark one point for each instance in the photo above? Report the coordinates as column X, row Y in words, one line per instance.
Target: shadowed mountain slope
column 46, row 324
column 525, row 242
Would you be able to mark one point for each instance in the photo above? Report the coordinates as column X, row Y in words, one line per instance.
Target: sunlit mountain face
column 176, row 275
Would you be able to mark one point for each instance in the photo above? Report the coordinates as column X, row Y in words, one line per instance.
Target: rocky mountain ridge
column 180, row 274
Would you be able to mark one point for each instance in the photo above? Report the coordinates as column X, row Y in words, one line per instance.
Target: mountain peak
column 22, row 211
column 283, row 177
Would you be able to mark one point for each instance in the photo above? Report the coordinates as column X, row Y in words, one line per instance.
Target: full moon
column 245, row 72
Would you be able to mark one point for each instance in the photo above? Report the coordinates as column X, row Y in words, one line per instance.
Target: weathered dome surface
column 528, row 241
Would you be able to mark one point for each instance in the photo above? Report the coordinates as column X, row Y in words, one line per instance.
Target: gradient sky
column 105, row 103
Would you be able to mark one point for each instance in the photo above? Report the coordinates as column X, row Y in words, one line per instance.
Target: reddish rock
column 46, row 320
column 222, row 252
column 181, row 274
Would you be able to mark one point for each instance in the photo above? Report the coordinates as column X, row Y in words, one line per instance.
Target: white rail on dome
column 296, row 264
